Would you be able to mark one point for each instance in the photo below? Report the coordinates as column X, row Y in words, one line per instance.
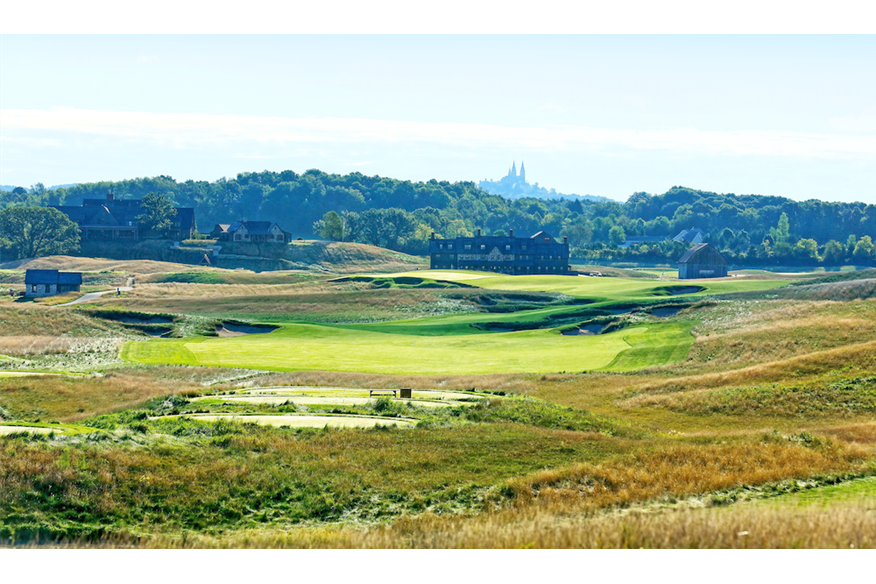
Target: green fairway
column 326, row 348
column 586, row 287
column 467, row 343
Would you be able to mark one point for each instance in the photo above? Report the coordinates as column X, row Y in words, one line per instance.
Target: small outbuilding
column 702, row 261
column 51, row 282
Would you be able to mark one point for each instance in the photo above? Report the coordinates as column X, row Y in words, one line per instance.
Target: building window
column 440, row 246
column 507, row 248
column 483, row 247
column 467, row 246
column 449, row 246
column 523, row 247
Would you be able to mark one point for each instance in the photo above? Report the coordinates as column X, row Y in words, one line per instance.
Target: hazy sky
column 605, row 115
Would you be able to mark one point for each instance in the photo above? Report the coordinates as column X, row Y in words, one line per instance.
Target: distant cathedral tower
column 513, row 179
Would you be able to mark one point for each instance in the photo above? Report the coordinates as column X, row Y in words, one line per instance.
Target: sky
column 609, row 115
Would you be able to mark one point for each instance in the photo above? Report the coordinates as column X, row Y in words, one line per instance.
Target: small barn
column 51, row 282
column 702, row 261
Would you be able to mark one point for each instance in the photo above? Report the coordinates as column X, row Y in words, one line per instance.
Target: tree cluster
column 29, row 232
column 401, row 215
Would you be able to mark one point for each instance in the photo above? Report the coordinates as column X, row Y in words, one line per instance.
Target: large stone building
column 702, row 261
column 51, row 282
column 539, row 254
column 116, row 219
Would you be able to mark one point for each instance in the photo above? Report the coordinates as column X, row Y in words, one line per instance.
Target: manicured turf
column 449, row 344
column 585, row 287
column 312, row 347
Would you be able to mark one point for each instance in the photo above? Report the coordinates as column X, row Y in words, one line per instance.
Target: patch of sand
column 417, row 394
column 228, row 329
column 327, row 401
column 32, row 429
column 304, row 421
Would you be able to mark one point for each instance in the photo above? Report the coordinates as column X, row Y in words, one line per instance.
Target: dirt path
column 95, row 295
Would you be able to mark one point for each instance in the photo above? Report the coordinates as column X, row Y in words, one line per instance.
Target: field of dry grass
column 72, row 398
column 849, row 526
column 78, row 264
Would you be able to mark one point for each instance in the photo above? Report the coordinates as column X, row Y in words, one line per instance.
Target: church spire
column 522, row 173
column 513, row 168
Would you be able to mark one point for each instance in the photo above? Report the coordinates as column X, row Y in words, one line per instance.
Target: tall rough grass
column 851, row 526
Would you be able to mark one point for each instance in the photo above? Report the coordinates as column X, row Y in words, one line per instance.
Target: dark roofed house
column 116, row 219
column 51, row 282
column 702, row 261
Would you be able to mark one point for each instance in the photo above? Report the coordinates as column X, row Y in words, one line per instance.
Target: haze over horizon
column 793, row 116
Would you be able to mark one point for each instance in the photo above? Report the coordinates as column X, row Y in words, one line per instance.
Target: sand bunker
column 679, row 290
column 665, row 311
column 228, row 329
column 587, row 329
column 617, row 311
column 135, row 320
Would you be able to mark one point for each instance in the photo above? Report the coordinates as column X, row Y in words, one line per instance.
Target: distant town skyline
column 792, row 116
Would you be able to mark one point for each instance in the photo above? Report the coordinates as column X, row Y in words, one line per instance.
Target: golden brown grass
column 849, row 526
column 863, row 434
column 507, row 382
column 744, row 333
column 28, row 346
column 679, row 470
column 79, row 264
column 22, row 320
column 70, row 399
column 310, row 301
column 862, row 355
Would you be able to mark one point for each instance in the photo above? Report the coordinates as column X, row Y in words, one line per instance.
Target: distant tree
column 32, row 232
column 834, row 253
column 616, row 235
column 851, row 241
column 158, row 213
column 501, row 232
column 578, row 231
column 807, row 250
column 19, row 194
column 865, row 251
column 331, row 226
column 781, row 232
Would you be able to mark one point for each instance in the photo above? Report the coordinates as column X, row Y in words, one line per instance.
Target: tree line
column 401, row 215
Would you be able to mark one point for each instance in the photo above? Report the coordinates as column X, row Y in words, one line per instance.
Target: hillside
column 332, row 257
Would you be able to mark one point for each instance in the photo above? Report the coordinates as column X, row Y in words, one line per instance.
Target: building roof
column 252, row 227
column 691, row 255
column 52, row 277
column 119, row 212
column 542, row 235
column 692, row 235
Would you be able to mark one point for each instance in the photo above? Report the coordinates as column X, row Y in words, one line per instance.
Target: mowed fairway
column 311, row 347
column 586, row 287
column 449, row 344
